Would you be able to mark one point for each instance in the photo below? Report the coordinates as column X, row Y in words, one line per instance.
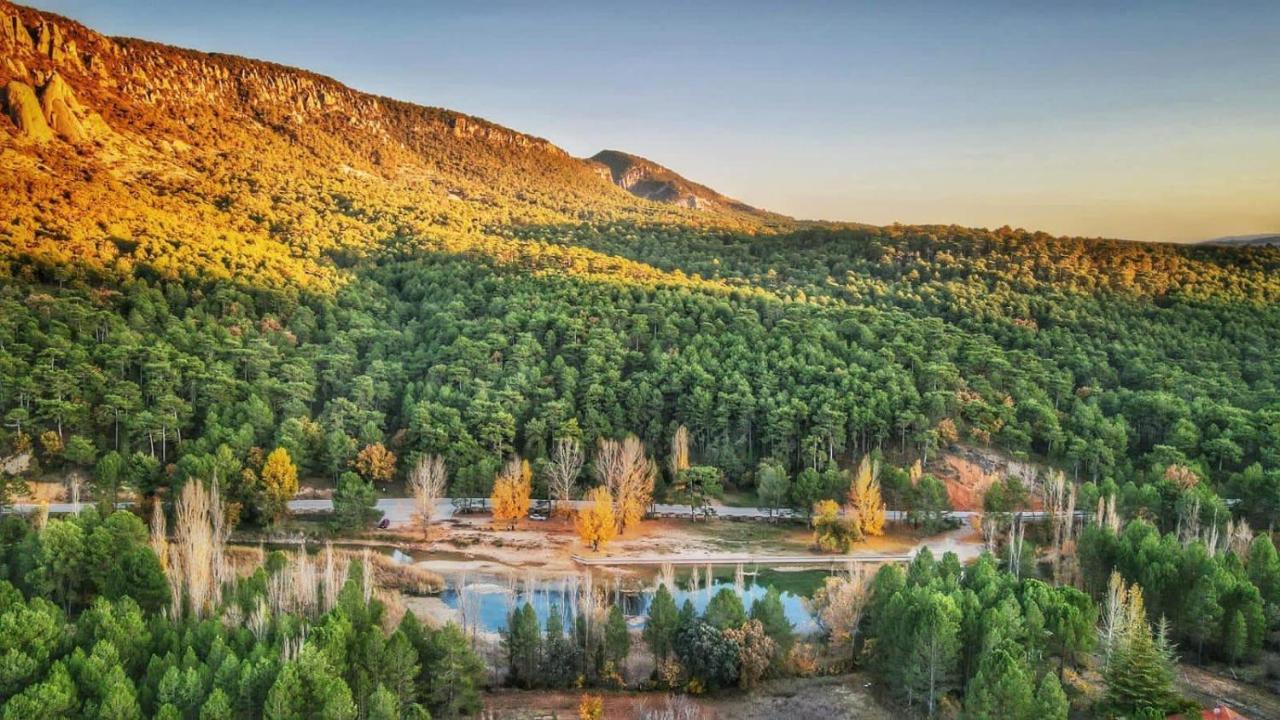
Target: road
column 400, row 511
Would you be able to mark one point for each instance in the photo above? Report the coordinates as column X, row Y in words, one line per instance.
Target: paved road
column 400, row 511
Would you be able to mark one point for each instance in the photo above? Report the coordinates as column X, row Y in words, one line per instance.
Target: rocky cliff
column 125, row 151
column 651, row 181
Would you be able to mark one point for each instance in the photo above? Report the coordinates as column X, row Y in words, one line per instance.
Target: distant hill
column 1242, row 240
column 649, row 180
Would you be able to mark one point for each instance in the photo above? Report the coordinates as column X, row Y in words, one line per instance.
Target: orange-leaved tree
column 376, row 463
column 511, row 492
column 864, row 496
column 280, row 480
column 595, row 523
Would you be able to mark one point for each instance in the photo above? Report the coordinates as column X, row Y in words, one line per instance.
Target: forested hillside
column 204, row 258
column 230, row 252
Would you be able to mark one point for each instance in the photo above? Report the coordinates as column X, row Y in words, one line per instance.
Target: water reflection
column 484, row 603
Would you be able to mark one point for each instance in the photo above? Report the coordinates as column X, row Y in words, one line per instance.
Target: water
column 487, row 603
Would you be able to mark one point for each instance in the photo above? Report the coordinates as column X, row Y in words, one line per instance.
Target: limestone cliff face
column 651, row 181
column 129, row 138
column 24, row 110
column 108, row 75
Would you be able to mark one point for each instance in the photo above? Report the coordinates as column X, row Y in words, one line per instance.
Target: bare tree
column 159, row 535
column 1115, row 615
column 679, row 459
column 838, row 607
column 192, row 557
column 562, row 473
column 75, row 481
column 197, row 564
column 427, row 482
column 628, row 473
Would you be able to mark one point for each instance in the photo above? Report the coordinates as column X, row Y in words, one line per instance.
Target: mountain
column 651, row 181
column 122, row 150
column 1244, row 240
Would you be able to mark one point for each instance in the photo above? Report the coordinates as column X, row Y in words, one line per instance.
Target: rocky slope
column 651, row 181
column 120, row 151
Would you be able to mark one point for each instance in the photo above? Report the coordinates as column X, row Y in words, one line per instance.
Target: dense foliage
column 84, row 637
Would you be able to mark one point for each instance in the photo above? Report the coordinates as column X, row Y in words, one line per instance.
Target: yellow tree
column 376, row 463
column 512, row 490
column 280, row 480
column 595, row 523
column 626, row 470
column 864, row 496
column 679, row 459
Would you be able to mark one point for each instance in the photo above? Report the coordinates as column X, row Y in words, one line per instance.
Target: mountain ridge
column 647, row 179
column 1258, row 239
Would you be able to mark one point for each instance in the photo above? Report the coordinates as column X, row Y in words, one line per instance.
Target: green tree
column 1235, row 637
column 699, row 484
column 354, row 501
column 450, row 674
column 662, row 623
column 217, row 707
column 773, row 617
column 1050, row 701
column 523, row 643
column 707, row 655
column 382, row 705
column 1204, row 613
column 806, row 490
column 63, row 544
column 1002, row 687
column 53, row 698
column 109, row 475
column 617, row 641
column 929, row 503
column 725, row 610
column 1139, row 670
column 772, row 484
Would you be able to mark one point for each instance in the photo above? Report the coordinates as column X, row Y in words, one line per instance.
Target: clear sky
column 1151, row 121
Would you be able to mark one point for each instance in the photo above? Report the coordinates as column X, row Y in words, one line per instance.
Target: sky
column 1148, row 121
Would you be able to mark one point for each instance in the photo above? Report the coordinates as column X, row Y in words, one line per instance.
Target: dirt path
column 1210, row 689
column 824, row 698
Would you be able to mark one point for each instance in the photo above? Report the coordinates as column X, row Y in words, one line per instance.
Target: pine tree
column 1235, row 637
column 660, row 628
column 1264, row 569
column 725, row 610
column 617, row 640
column 523, row 640
column 382, row 705
column 1139, row 670
column 769, row 611
column 559, row 658
column 1050, row 702
column 1203, row 612
column 1002, row 687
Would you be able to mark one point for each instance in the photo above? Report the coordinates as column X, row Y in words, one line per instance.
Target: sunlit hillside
column 244, row 306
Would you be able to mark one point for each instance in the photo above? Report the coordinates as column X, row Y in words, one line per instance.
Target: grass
column 762, row 536
column 740, row 498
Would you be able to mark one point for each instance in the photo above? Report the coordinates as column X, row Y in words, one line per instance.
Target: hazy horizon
column 1149, row 122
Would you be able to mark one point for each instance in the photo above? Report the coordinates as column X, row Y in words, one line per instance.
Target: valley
column 320, row 403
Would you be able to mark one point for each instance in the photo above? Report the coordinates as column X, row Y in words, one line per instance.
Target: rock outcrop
column 61, row 110
column 651, row 181
column 14, row 34
column 24, row 110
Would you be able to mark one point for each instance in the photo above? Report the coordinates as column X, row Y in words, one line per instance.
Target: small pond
column 486, row 602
